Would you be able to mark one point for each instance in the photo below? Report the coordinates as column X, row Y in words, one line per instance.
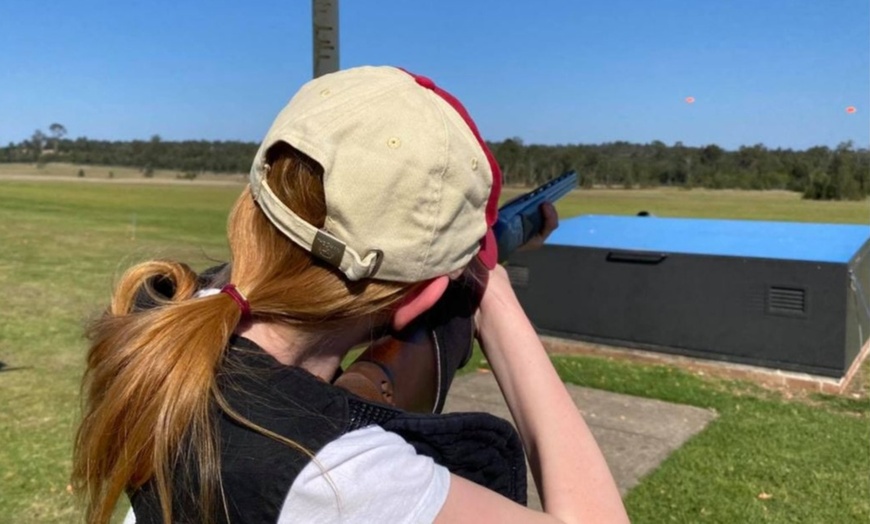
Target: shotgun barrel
column 520, row 219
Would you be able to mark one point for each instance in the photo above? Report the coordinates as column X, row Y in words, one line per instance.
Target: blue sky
column 777, row 72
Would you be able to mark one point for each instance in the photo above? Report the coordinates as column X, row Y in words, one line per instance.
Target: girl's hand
column 551, row 222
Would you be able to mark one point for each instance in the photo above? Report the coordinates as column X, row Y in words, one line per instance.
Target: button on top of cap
column 425, row 82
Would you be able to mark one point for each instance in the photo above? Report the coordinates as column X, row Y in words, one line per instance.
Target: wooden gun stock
column 396, row 370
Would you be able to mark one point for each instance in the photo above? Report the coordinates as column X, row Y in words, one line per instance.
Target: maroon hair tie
column 239, row 298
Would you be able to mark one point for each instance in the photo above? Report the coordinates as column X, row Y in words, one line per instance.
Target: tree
column 152, row 155
column 840, row 180
column 58, row 132
column 841, row 170
column 510, row 155
column 711, row 154
column 37, row 140
column 10, row 152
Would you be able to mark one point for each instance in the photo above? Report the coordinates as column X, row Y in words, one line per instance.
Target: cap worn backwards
column 411, row 189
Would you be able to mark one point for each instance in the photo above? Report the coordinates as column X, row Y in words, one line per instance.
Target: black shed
column 784, row 295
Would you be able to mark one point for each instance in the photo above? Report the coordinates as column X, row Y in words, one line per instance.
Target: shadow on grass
column 4, row 367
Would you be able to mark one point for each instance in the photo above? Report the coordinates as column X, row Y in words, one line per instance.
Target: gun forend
column 520, row 219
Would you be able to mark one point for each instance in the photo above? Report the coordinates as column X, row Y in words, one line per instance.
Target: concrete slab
column 635, row 434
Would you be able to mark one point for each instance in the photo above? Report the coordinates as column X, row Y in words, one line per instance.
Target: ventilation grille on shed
column 786, row 300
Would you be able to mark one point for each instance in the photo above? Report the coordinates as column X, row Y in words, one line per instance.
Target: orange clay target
column 690, row 100
column 851, row 109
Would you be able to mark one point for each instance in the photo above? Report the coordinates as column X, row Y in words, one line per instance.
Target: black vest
column 258, row 471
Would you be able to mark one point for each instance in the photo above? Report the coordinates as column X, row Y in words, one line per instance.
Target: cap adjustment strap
column 316, row 241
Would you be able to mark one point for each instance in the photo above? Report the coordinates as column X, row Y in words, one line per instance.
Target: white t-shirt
column 367, row 475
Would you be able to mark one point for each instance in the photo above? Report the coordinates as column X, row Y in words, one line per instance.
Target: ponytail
column 148, row 387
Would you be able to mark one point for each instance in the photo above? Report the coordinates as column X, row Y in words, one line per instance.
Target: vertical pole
column 325, row 35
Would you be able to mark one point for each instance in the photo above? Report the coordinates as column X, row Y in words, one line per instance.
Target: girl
column 371, row 193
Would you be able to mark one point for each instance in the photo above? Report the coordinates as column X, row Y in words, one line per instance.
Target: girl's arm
column 573, row 480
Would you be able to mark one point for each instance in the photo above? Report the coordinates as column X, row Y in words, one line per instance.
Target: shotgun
column 412, row 370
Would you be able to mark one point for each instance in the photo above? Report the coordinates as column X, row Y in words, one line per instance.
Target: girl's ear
column 419, row 301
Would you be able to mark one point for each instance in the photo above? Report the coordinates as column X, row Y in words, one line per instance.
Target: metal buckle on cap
column 379, row 257
column 328, row 248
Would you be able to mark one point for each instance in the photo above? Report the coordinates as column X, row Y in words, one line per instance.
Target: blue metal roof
column 739, row 238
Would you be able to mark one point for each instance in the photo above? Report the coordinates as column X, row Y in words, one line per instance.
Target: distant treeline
column 818, row 172
column 147, row 155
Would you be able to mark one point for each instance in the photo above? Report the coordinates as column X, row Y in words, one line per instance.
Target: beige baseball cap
column 411, row 189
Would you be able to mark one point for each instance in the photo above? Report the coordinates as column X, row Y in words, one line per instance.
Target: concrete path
column 635, row 434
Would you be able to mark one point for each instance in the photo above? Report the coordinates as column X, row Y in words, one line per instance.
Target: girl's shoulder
column 368, row 475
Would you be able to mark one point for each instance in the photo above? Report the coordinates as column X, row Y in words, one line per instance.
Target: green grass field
column 63, row 243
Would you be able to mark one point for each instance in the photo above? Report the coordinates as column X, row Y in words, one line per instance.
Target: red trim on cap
column 488, row 249
column 424, row 81
column 488, row 253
